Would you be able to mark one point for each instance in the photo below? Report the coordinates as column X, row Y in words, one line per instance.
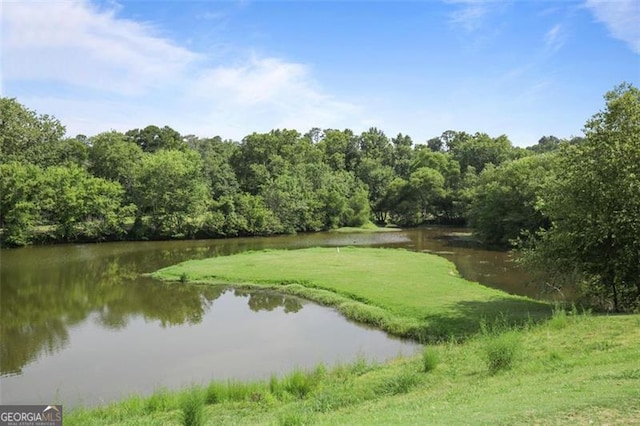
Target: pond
column 81, row 326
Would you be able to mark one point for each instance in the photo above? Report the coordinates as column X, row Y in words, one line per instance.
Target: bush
column 430, row 359
column 501, row 351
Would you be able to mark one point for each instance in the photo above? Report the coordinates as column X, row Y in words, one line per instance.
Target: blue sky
column 521, row 68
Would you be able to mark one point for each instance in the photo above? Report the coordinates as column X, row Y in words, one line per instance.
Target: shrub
column 430, row 359
column 501, row 351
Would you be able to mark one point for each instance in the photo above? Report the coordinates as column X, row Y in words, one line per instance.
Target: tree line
column 571, row 207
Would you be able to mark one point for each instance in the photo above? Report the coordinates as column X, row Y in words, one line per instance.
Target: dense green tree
column 79, row 204
column 25, row 135
column 20, row 189
column 374, row 144
column 340, row 149
column 171, row 192
column 402, row 155
column 115, row 157
column 69, row 151
column 427, row 186
column 546, row 144
column 153, row 138
column 415, row 200
column 505, row 199
column 480, row 149
column 447, row 207
column 435, row 144
column 594, row 205
column 265, row 156
column 377, row 177
column 216, row 155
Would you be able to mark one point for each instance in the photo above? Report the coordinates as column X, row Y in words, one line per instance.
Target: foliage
column 20, row 189
column 171, row 192
column 179, row 186
column 479, row 150
column 505, row 199
column 78, row 203
column 115, row 157
column 26, row 136
column 153, row 138
column 594, row 206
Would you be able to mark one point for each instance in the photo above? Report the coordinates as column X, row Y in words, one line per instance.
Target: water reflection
column 47, row 291
column 268, row 301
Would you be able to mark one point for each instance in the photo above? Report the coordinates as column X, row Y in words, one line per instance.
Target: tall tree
column 505, row 199
column 82, row 205
column 340, row 149
column 480, row 149
column 171, row 192
column 402, row 155
column 20, row 198
column 153, row 138
column 26, row 136
column 115, row 157
column 594, row 205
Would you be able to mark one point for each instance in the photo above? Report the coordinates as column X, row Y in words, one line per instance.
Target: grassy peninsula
column 510, row 360
column 408, row 294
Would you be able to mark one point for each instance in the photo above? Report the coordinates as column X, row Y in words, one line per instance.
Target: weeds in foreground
column 430, row 359
column 192, row 407
column 501, row 351
column 399, row 383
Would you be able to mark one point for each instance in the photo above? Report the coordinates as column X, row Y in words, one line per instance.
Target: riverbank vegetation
column 572, row 207
column 573, row 369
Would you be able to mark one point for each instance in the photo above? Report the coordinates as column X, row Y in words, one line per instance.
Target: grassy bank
column 368, row 228
column 409, row 294
column 572, row 369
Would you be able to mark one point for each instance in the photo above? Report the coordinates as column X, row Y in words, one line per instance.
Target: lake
column 81, row 326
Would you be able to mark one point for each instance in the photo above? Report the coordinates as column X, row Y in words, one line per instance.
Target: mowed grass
column 409, row 294
column 572, row 369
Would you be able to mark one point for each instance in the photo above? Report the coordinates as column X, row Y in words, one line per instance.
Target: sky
column 230, row 68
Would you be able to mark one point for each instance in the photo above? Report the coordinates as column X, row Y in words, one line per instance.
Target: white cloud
column 554, row 38
column 470, row 15
column 103, row 72
column 621, row 17
column 72, row 42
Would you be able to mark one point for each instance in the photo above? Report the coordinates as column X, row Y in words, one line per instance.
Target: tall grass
column 192, row 405
column 430, row 359
column 501, row 351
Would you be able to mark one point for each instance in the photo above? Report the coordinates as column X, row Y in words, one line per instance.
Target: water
column 81, row 326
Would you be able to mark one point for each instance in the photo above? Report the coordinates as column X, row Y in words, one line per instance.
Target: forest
column 571, row 208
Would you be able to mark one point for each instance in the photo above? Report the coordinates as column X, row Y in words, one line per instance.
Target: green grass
column 409, row 294
column 367, row 228
column 518, row 362
column 584, row 373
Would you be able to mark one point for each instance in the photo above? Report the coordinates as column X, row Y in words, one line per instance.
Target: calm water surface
column 81, row 326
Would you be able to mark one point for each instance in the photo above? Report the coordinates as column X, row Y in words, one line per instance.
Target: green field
column 511, row 362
